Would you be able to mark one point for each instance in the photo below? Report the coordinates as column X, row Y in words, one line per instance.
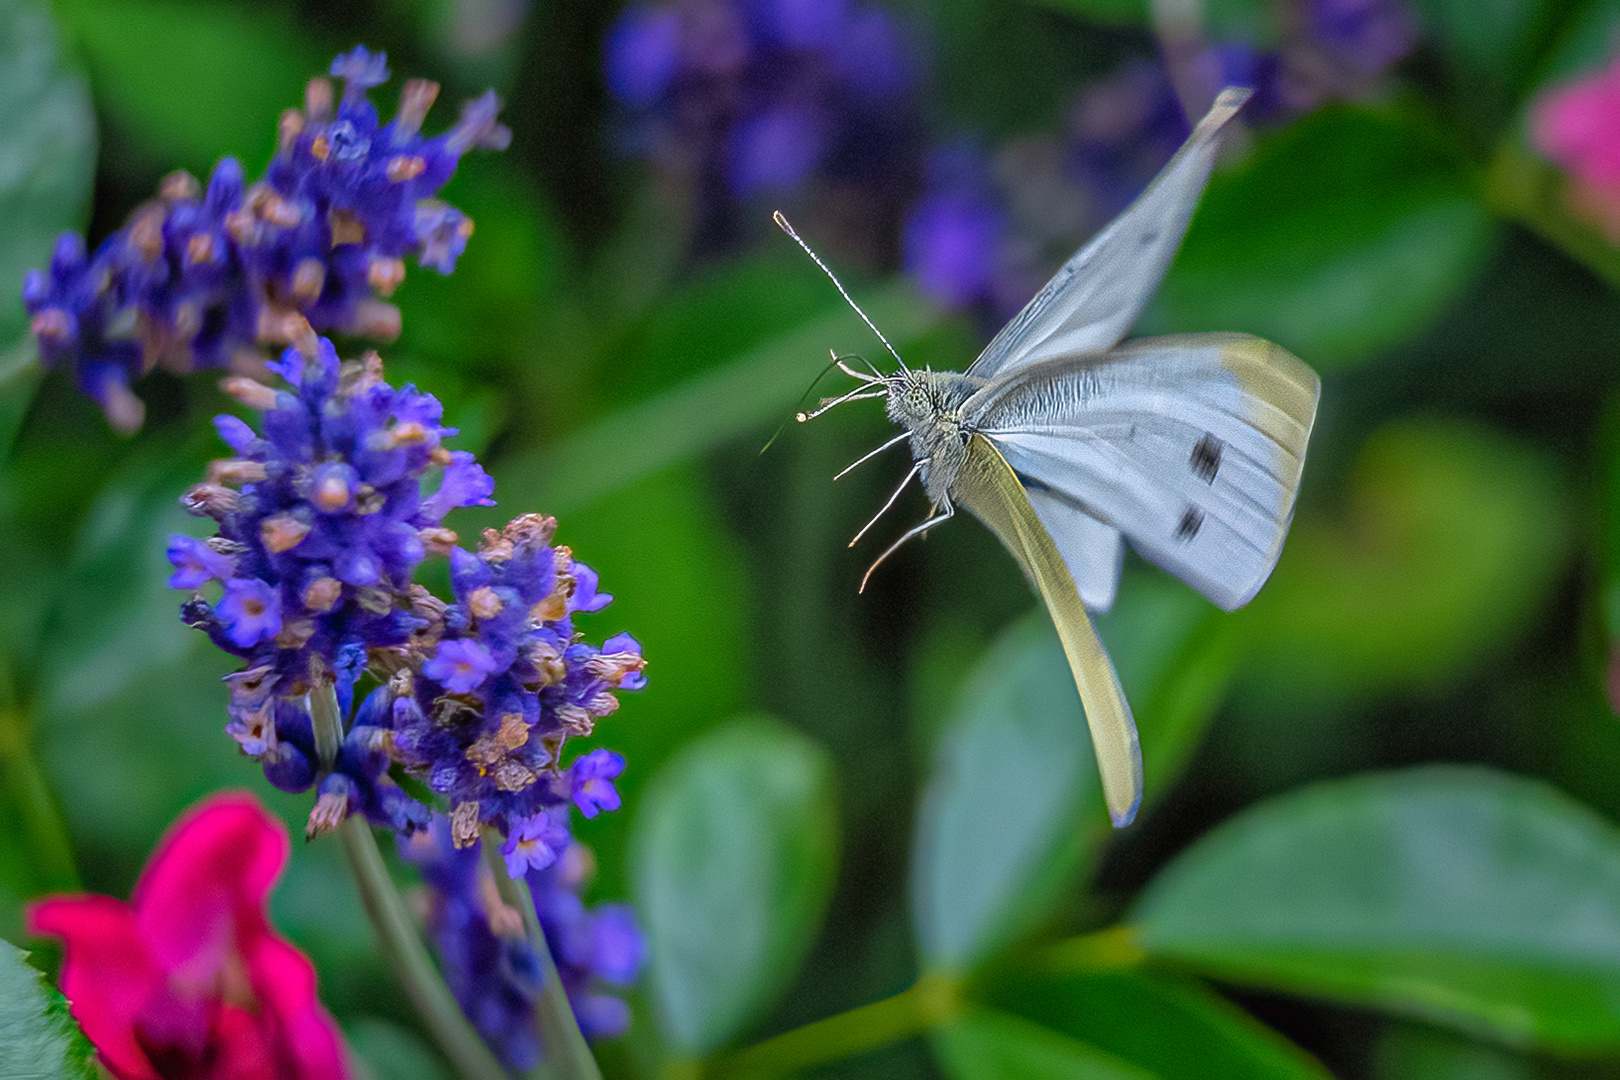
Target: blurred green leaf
column 989, row 1045
column 189, row 82
column 114, row 615
column 1107, row 12
column 1450, row 538
column 734, row 854
column 678, row 585
column 391, row 1052
column 1412, row 1052
column 707, row 410
column 1344, row 233
column 1458, row 895
column 1488, row 37
column 38, row 1040
column 47, row 158
column 1003, row 820
column 1586, row 43
column 1164, row 1026
column 1251, row 21
column 1175, row 653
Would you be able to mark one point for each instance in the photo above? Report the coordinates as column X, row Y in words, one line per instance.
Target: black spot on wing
column 1191, row 521
column 1206, row 458
column 1148, row 237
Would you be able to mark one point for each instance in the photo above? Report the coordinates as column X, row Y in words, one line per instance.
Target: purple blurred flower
column 203, row 277
column 734, row 99
column 488, row 963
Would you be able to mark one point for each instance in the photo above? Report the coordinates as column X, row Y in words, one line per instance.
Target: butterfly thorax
column 928, row 404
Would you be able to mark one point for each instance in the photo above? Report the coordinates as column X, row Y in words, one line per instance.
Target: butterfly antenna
column 798, row 412
column 782, row 223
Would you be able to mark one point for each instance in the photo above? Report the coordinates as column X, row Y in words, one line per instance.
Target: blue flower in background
column 488, row 963
column 734, row 100
column 989, row 228
column 203, row 277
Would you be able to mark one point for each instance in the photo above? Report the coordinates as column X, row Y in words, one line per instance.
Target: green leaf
column 1002, row 823
column 1338, row 238
column 1411, row 1052
column 47, row 158
column 1175, row 653
column 1107, row 12
column 732, row 859
column 1586, row 44
column 1450, row 539
column 391, row 1052
column 709, row 409
column 1488, row 37
column 1252, row 21
column 1165, row 1026
column 190, row 81
column 1461, row 896
column 38, row 1040
column 989, row 1045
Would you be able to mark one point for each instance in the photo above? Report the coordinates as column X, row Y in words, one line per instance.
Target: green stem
column 45, row 835
column 396, row 931
column 405, row 953
column 1111, row 949
column 566, row 1055
column 934, row 1000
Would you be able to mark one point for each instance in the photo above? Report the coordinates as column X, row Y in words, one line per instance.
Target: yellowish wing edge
column 988, row 486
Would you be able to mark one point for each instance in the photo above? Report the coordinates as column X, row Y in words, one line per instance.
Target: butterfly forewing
column 1190, row 446
column 988, row 487
column 1093, row 300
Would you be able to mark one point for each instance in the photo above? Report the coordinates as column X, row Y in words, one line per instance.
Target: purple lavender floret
column 203, row 278
column 321, row 524
column 593, row 948
column 488, row 962
column 506, row 684
column 483, row 952
column 732, row 100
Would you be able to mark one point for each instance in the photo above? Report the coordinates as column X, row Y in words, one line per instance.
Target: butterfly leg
column 915, row 469
column 900, row 438
column 946, row 512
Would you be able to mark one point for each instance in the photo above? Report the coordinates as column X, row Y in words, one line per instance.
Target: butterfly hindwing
column 1191, row 446
column 988, row 487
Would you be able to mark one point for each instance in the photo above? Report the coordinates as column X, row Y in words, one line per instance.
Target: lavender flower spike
column 205, row 277
column 321, row 525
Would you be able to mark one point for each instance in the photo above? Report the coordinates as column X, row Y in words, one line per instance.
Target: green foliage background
column 1379, row 838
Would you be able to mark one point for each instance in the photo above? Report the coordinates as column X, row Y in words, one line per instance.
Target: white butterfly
column 1066, row 443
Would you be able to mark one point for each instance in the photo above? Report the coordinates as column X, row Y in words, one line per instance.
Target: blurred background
column 1405, row 208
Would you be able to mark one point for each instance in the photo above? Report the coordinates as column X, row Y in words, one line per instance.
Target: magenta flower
column 188, row 979
column 1577, row 125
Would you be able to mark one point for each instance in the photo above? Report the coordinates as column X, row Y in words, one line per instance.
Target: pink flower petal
column 108, row 974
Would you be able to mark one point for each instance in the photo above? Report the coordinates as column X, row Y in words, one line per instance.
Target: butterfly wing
column 987, row 486
column 1094, row 299
column 1191, row 446
column 1093, row 550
